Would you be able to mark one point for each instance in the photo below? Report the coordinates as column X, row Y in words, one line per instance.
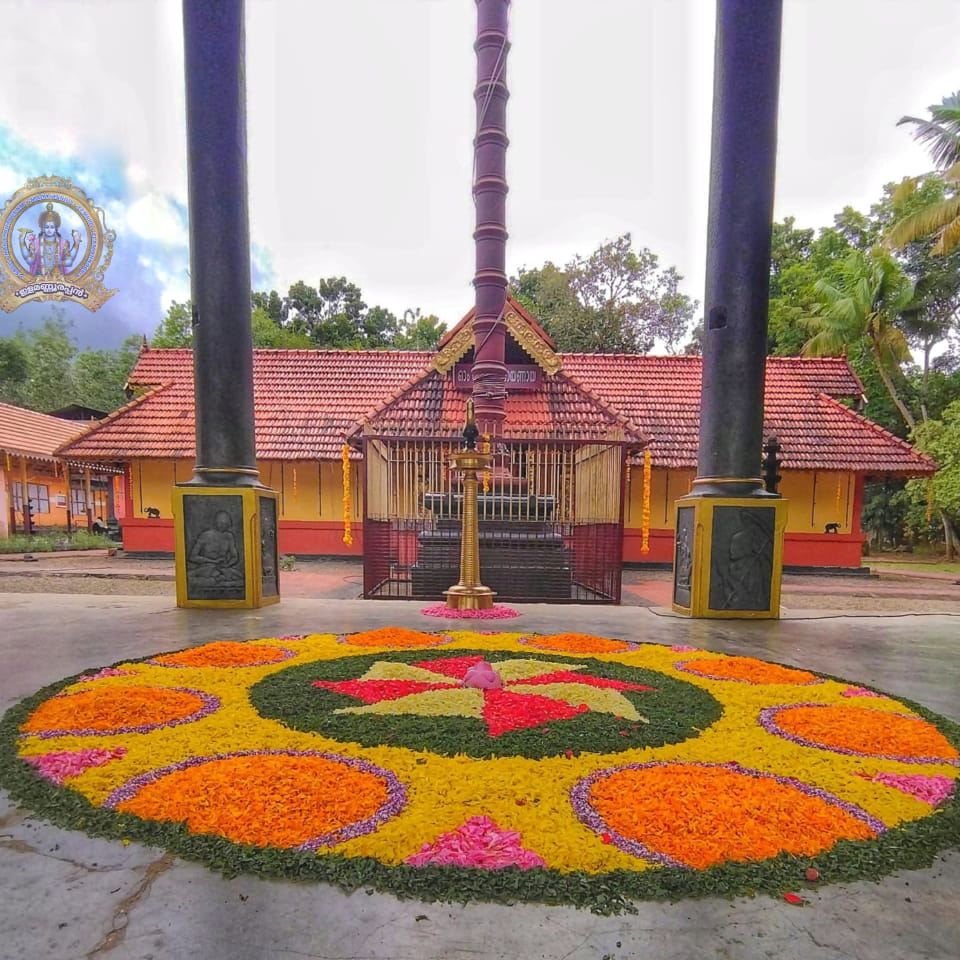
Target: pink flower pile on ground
column 496, row 612
column 682, row 648
column 105, row 672
column 59, row 766
column 930, row 789
column 859, row 692
column 479, row 842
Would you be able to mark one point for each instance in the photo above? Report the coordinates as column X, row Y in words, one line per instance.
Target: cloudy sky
column 360, row 119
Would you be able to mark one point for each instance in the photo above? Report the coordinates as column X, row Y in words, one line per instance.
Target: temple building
column 567, row 501
column 40, row 489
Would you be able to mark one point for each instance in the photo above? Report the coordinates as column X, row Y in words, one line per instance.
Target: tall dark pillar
column 490, row 197
column 742, row 167
column 225, row 520
column 214, row 47
column 729, row 538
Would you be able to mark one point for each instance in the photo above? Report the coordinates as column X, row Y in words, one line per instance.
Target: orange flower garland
column 347, row 504
column 645, row 513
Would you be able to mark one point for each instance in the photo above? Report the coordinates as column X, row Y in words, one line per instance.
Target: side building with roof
column 62, row 492
column 309, row 403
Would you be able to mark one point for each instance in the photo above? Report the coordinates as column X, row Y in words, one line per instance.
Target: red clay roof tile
column 308, row 401
column 34, row 435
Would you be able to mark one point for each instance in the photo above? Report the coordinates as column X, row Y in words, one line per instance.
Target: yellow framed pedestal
column 728, row 557
column 226, row 546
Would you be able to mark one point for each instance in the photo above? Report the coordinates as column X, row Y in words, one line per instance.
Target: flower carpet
column 492, row 765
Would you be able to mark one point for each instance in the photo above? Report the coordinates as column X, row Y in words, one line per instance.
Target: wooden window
column 39, row 494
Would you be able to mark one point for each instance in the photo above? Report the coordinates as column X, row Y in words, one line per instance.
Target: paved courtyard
column 64, row 895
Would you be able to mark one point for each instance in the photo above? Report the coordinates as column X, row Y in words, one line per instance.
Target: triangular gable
column 563, row 409
column 521, row 326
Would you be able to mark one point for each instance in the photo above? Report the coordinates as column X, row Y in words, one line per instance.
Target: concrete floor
column 65, row 896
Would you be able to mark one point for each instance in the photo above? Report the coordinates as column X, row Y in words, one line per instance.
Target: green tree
column 941, row 440
column 863, row 304
column 270, row 302
column 419, row 332
column 13, row 363
column 799, row 258
column 49, row 354
column 176, row 328
column 268, row 333
column 100, row 376
column 939, row 218
column 616, row 300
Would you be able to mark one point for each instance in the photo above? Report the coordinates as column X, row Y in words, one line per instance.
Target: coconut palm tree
column 870, row 293
column 940, row 219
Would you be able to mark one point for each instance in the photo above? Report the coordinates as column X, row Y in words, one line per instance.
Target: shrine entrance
column 550, row 519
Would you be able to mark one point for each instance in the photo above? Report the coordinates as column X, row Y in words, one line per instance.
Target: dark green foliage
column 617, row 300
column 45, row 371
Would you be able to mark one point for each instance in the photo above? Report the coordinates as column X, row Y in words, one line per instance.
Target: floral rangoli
column 442, row 765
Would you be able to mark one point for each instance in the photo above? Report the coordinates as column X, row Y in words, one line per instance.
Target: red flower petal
column 505, row 711
column 794, row 899
column 449, row 666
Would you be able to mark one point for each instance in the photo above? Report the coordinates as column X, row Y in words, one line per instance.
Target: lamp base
column 460, row 597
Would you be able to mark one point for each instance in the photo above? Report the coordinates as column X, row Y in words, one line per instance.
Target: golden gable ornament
column 54, row 245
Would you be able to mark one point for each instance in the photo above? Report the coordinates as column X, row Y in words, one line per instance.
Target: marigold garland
column 347, row 501
column 486, row 473
column 645, row 513
column 366, row 761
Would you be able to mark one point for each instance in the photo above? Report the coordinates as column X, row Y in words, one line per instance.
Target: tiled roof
column 662, row 395
column 307, row 401
column 31, row 434
column 563, row 410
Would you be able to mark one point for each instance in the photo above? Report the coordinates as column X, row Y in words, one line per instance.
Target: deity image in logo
column 51, row 255
column 54, row 245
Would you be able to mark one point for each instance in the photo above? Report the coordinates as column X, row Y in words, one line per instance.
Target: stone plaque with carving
column 683, row 556
column 269, row 559
column 741, row 560
column 213, row 534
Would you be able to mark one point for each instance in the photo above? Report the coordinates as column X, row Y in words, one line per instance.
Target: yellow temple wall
column 311, row 510
column 816, row 498
column 308, row 490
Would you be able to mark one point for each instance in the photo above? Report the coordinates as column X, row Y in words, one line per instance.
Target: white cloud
column 10, row 181
column 154, row 217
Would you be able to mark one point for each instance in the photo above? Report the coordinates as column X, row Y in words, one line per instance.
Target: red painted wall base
column 799, row 549
column 325, row 538
column 302, row 537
